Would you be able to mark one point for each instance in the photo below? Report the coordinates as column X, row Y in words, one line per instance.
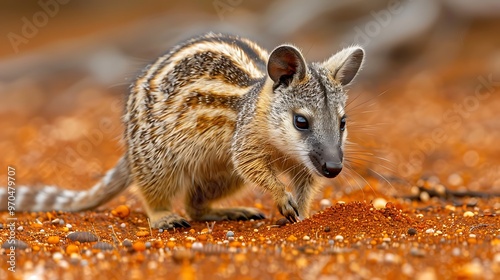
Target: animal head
column 307, row 120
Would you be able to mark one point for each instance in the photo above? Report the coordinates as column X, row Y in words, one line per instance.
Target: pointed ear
column 286, row 64
column 345, row 64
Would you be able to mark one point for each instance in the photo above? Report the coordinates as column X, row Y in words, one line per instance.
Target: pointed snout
column 331, row 169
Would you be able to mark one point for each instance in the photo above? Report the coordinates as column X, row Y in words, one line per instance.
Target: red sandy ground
column 71, row 141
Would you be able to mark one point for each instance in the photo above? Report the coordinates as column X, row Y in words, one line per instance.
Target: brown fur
column 207, row 118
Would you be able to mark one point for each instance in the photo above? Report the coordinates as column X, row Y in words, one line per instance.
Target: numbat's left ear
column 345, row 64
column 286, row 64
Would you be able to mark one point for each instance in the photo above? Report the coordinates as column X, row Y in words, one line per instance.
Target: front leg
column 305, row 186
column 257, row 169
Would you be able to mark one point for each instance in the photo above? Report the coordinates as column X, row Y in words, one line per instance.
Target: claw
column 257, row 216
column 181, row 224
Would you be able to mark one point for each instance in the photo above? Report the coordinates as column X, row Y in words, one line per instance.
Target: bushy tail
column 51, row 198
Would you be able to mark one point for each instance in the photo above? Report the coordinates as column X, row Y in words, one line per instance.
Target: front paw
column 288, row 207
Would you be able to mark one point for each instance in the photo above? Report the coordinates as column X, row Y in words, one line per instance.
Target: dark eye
column 300, row 122
column 342, row 123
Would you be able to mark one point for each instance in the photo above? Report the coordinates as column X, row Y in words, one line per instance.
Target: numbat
column 214, row 114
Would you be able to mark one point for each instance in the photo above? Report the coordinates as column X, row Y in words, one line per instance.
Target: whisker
column 351, row 174
column 368, row 184
column 383, row 178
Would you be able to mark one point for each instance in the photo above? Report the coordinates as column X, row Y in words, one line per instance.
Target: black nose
column 331, row 169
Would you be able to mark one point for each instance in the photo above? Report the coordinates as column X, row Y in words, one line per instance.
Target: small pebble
column 430, row 230
column 103, row 246
column 20, row 228
column 148, row 244
column 325, row 203
column 407, row 269
column 390, row 258
column 229, row 234
column 69, row 226
column 158, row 244
column 53, row 239
column 127, row 243
column 160, row 230
column 386, row 239
column 55, row 221
column 74, row 256
column 339, row 238
column 142, row 233
column 123, row 225
column 100, row 256
column 455, row 180
column 306, row 238
column 412, row 231
column 182, row 256
column 57, row 256
column 415, row 190
column 121, row 211
column 472, row 202
column 468, row 214
column 291, row 238
column 152, row 265
column 61, row 222
column 451, row 208
column 472, row 270
column 424, row 196
column 64, row 264
column 327, row 229
column 17, row 244
column 440, row 189
column 379, row 203
column 139, row 246
column 496, row 258
column 83, row 236
column 416, row 252
column 472, row 235
column 426, row 274
column 72, row 249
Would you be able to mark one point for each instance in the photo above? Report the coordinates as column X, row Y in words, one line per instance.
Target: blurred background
column 425, row 105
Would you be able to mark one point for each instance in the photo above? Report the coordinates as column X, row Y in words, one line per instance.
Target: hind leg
column 200, row 198
column 159, row 207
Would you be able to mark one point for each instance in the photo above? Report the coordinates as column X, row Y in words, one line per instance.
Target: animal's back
column 182, row 111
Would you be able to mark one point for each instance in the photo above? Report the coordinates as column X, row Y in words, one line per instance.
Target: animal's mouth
column 328, row 169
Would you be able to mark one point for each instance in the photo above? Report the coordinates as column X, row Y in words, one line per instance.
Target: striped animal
column 215, row 113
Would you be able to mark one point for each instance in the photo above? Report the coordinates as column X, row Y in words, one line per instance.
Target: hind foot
column 168, row 220
column 233, row 214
